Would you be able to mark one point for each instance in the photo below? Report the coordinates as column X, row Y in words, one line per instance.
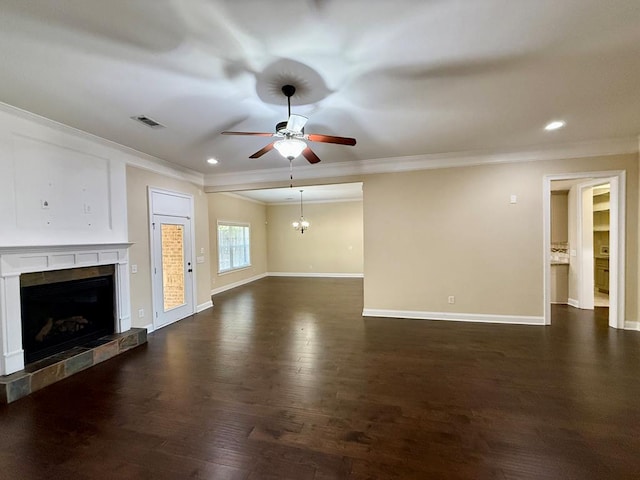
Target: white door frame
column 584, row 245
column 171, row 204
column 617, row 180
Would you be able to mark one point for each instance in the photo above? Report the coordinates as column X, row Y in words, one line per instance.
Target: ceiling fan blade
column 310, row 156
column 262, row 151
column 296, row 123
column 312, row 137
column 259, row 134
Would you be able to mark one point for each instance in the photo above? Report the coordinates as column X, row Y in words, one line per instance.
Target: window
column 233, row 246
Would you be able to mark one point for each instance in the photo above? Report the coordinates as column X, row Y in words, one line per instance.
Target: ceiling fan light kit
column 290, row 148
column 291, row 132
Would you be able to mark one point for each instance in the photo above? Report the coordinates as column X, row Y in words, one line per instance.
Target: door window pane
column 173, row 265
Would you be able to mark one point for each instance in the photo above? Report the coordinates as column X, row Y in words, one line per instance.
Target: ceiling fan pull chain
column 291, row 173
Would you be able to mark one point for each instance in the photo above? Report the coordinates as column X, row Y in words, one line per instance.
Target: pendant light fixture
column 301, row 224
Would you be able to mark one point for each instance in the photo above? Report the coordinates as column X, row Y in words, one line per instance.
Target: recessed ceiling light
column 212, row 161
column 555, row 125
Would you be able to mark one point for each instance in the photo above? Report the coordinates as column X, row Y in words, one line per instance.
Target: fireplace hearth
column 66, row 308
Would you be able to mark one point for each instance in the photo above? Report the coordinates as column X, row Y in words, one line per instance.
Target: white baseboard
column 573, row 303
column 204, row 306
column 149, row 328
column 316, row 274
column 239, row 283
column 559, row 303
column 454, row 317
column 632, row 325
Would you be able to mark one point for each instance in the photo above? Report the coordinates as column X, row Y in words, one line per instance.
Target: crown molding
column 334, row 170
column 313, row 202
column 241, row 197
column 132, row 156
column 168, row 169
column 606, row 147
column 295, row 203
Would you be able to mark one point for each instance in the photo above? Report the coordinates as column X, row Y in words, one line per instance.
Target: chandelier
column 301, row 224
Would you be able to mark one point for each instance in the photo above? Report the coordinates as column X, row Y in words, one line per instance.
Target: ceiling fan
column 292, row 135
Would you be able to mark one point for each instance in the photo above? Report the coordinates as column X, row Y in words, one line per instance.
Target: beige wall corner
column 138, row 181
column 230, row 208
column 630, row 225
column 333, row 243
column 454, row 232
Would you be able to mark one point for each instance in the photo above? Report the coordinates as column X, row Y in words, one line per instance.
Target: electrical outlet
column 141, row 313
column 451, row 299
column 134, row 268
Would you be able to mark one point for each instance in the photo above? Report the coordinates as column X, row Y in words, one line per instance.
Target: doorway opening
column 593, row 255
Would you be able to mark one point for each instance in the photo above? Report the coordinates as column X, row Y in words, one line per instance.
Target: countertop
column 566, row 262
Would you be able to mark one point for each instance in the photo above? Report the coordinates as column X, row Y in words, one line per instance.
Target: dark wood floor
column 284, row 379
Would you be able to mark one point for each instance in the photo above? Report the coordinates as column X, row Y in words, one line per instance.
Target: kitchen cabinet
column 601, row 212
column 559, row 283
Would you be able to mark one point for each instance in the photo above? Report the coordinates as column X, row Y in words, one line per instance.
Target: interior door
column 172, row 269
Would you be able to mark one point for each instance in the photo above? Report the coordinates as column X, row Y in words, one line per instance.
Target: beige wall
column 559, row 217
column 227, row 207
column 435, row 233
column 138, row 181
column 333, row 243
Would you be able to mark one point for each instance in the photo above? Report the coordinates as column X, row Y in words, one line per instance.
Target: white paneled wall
column 57, row 187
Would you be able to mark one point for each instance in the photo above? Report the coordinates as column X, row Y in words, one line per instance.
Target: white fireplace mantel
column 15, row 261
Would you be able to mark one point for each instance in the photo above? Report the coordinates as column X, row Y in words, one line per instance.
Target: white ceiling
column 310, row 193
column 406, row 78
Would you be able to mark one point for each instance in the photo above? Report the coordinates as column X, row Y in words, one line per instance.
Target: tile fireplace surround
column 15, row 261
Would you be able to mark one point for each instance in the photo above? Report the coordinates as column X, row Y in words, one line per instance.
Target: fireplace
column 49, row 265
column 62, row 309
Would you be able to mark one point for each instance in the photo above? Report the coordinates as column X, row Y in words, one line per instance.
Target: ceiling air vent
column 148, row 121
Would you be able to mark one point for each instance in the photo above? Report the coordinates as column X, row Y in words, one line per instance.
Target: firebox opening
column 60, row 315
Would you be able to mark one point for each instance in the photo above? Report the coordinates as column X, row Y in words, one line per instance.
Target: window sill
column 233, row 270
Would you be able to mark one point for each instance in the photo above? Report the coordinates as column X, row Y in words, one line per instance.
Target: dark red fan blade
column 266, row 149
column 310, row 156
column 330, row 139
column 257, row 134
